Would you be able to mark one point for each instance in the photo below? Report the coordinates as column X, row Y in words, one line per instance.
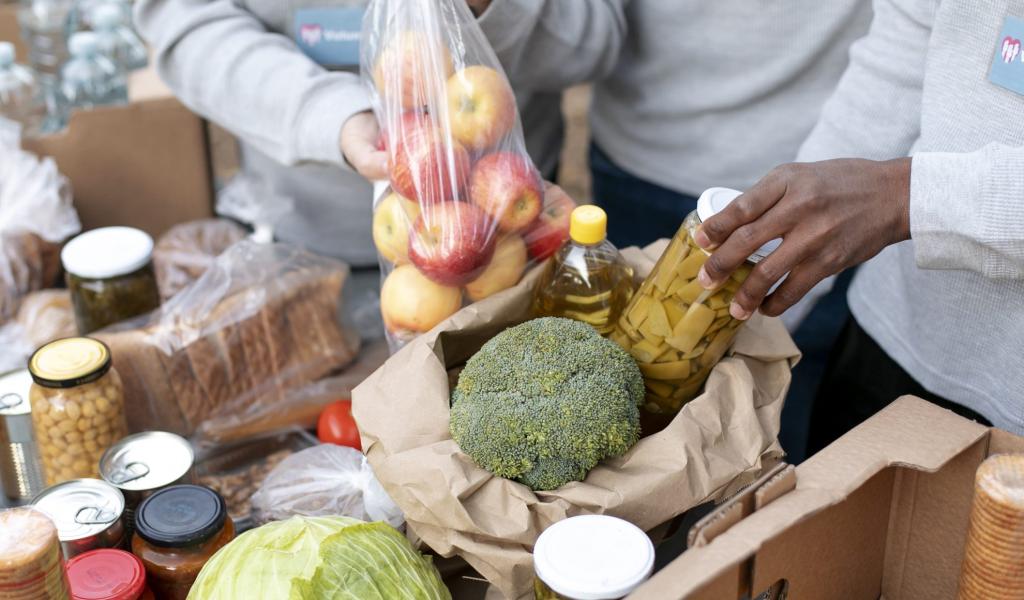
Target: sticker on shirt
column 330, row 35
column 1008, row 63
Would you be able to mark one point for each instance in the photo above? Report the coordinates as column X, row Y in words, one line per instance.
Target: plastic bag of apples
column 467, row 212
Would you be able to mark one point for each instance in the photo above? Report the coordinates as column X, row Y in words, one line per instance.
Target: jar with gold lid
column 77, row 407
column 675, row 329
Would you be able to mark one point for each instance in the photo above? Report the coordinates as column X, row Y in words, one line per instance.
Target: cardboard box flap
column 779, row 479
column 908, row 433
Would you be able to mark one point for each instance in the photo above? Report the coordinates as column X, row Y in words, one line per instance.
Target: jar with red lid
column 107, row 574
column 177, row 530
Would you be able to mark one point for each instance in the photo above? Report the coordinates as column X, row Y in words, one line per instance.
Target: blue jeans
column 639, row 212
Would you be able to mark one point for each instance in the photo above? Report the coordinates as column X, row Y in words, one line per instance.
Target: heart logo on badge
column 313, row 34
column 1011, row 48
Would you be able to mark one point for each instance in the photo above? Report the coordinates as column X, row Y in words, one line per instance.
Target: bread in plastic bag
column 466, row 213
column 42, row 317
column 36, row 216
column 325, row 480
column 231, row 355
column 187, row 250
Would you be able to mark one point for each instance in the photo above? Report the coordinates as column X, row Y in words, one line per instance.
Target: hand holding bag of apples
column 467, row 212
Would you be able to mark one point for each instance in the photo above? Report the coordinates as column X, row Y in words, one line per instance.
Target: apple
column 505, row 269
column 452, row 242
column 392, row 221
column 411, row 302
column 547, row 234
column 426, row 166
column 481, row 107
column 410, row 67
column 508, row 188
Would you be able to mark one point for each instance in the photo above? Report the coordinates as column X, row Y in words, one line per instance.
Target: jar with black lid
column 177, row 530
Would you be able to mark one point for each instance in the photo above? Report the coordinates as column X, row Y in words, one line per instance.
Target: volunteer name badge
column 1008, row 62
column 330, row 35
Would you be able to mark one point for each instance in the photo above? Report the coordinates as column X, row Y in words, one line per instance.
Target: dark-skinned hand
column 830, row 215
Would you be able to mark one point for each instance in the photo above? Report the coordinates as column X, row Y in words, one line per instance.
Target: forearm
column 549, row 45
column 222, row 63
column 966, row 211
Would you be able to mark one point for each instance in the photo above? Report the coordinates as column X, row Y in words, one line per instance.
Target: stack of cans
column 993, row 567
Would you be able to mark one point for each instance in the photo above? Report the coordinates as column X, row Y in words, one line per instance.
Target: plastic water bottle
column 45, row 26
column 90, row 79
column 118, row 42
column 21, row 96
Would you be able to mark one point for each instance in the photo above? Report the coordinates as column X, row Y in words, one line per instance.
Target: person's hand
column 478, row 6
column 359, row 137
column 830, row 215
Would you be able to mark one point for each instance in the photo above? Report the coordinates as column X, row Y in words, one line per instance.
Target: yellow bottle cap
column 588, row 225
column 69, row 362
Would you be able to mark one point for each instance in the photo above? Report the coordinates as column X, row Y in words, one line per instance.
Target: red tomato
column 336, row 425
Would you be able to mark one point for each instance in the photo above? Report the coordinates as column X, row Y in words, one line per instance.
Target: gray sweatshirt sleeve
column 224, row 64
column 549, row 45
column 966, row 211
column 875, row 111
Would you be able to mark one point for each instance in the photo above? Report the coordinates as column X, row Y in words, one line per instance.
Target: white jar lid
column 593, row 557
column 107, row 252
column 714, row 200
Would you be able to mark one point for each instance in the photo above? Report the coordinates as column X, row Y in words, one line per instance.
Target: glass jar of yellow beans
column 675, row 329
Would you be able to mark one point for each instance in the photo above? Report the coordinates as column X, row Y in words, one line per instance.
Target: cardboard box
column 144, row 165
column 881, row 513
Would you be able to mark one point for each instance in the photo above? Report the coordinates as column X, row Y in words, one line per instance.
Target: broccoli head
column 542, row 403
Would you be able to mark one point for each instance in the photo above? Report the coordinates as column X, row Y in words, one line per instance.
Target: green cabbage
column 319, row 558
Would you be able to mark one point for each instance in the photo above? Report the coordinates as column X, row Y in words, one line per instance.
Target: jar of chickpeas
column 77, row 407
column 675, row 329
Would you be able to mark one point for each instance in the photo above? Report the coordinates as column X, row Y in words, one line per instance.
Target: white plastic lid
column 107, row 252
column 593, row 557
column 107, row 16
column 714, row 200
column 6, row 54
column 83, row 43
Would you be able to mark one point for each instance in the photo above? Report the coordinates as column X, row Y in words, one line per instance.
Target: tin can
column 20, row 470
column 88, row 513
column 143, row 463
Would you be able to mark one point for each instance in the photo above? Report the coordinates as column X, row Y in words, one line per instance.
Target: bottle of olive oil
column 587, row 279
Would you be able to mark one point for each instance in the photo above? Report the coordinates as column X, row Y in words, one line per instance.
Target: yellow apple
column 481, row 107
column 505, row 269
column 411, row 302
column 410, row 68
column 391, row 224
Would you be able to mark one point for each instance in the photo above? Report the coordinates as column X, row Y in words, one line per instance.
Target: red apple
column 424, row 165
column 508, row 188
column 410, row 69
column 505, row 269
column 452, row 242
column 481, row 107
column 547, row 234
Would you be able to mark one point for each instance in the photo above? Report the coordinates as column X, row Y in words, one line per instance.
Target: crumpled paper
column 719, row 442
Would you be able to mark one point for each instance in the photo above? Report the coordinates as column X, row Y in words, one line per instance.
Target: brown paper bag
column 718, row 443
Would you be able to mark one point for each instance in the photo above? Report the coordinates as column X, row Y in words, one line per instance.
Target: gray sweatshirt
column 688, row 94
column 948, row 305
column 237, row 63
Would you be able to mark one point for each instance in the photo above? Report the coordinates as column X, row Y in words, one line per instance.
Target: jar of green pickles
column 675, row 329
column 591, row 557
column 110, row 276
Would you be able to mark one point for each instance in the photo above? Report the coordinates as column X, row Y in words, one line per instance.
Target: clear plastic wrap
column 993, row 565
column 36, row 216
column 241, row 351
column 43, row 316
column 186, row 251
column 322, row 481
column 466, row 213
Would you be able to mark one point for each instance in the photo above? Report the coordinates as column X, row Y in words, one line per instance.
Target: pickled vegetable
column 675, row 329
column 102, row 302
